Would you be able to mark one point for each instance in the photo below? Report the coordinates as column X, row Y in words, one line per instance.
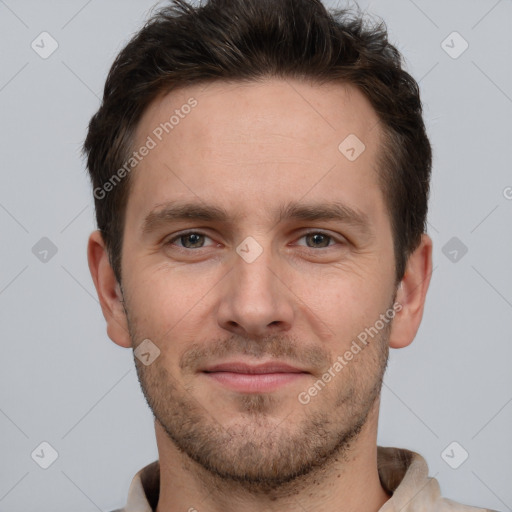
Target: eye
column 197, row 240
column 318, row 239
column 190, row 240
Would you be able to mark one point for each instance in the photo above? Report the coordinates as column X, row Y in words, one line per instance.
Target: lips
column 254, row 378
column 238, row 367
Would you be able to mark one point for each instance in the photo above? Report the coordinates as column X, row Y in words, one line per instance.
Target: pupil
column 192, row 239
column 319, row 239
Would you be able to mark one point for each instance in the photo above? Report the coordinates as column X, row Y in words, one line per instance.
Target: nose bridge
column 252, row 277
column 254, row 300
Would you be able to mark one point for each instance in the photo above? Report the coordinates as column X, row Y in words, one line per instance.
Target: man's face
column 250, row 309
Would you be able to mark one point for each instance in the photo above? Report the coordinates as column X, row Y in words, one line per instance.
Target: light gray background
column 64, row 382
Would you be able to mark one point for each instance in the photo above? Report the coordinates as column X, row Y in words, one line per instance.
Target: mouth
column 254, row 378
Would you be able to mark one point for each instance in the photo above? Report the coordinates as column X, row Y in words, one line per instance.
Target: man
column 261, row 176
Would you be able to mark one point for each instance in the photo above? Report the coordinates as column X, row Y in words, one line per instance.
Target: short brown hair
column 247, row 40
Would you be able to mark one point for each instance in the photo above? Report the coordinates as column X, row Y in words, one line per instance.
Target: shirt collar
column 403, row 473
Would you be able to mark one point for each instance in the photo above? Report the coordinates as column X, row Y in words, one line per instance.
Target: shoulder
column 404, row 474
column 447, row 505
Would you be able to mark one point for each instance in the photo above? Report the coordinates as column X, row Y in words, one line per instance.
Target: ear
column 411, row 295
column 108, row 290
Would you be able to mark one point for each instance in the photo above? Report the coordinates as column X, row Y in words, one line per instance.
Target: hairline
column 384, row 166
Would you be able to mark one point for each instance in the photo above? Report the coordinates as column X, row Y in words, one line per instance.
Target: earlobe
column 411, row 295
column 108, row 290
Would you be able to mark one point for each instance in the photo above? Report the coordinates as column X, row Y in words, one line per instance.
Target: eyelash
column 192, row 232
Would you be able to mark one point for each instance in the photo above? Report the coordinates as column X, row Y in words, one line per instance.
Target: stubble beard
column 263, row 452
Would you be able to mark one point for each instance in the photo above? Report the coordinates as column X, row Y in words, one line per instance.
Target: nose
column 256, row 301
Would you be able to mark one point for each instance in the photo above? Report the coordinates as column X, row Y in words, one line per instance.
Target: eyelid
column 337, row 238
column 312, row 231
column 177, row 236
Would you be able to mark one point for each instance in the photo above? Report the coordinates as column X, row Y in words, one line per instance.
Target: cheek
column 341, row 304
column 165, row 304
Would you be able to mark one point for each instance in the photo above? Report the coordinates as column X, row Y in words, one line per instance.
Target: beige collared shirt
column 403, row 473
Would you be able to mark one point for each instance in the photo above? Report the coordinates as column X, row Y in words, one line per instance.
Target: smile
column 262, row 378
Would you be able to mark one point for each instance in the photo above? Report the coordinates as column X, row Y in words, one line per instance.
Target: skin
column 250, row 149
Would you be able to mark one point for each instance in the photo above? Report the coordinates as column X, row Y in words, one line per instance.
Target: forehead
column 256, row 144
column 272, row 107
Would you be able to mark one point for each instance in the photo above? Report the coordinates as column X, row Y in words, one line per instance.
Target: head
column 261, row 192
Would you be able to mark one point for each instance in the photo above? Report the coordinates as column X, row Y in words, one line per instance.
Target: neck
column 348, row 482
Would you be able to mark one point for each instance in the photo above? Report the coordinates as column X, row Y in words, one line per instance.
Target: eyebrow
column 177, row 210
